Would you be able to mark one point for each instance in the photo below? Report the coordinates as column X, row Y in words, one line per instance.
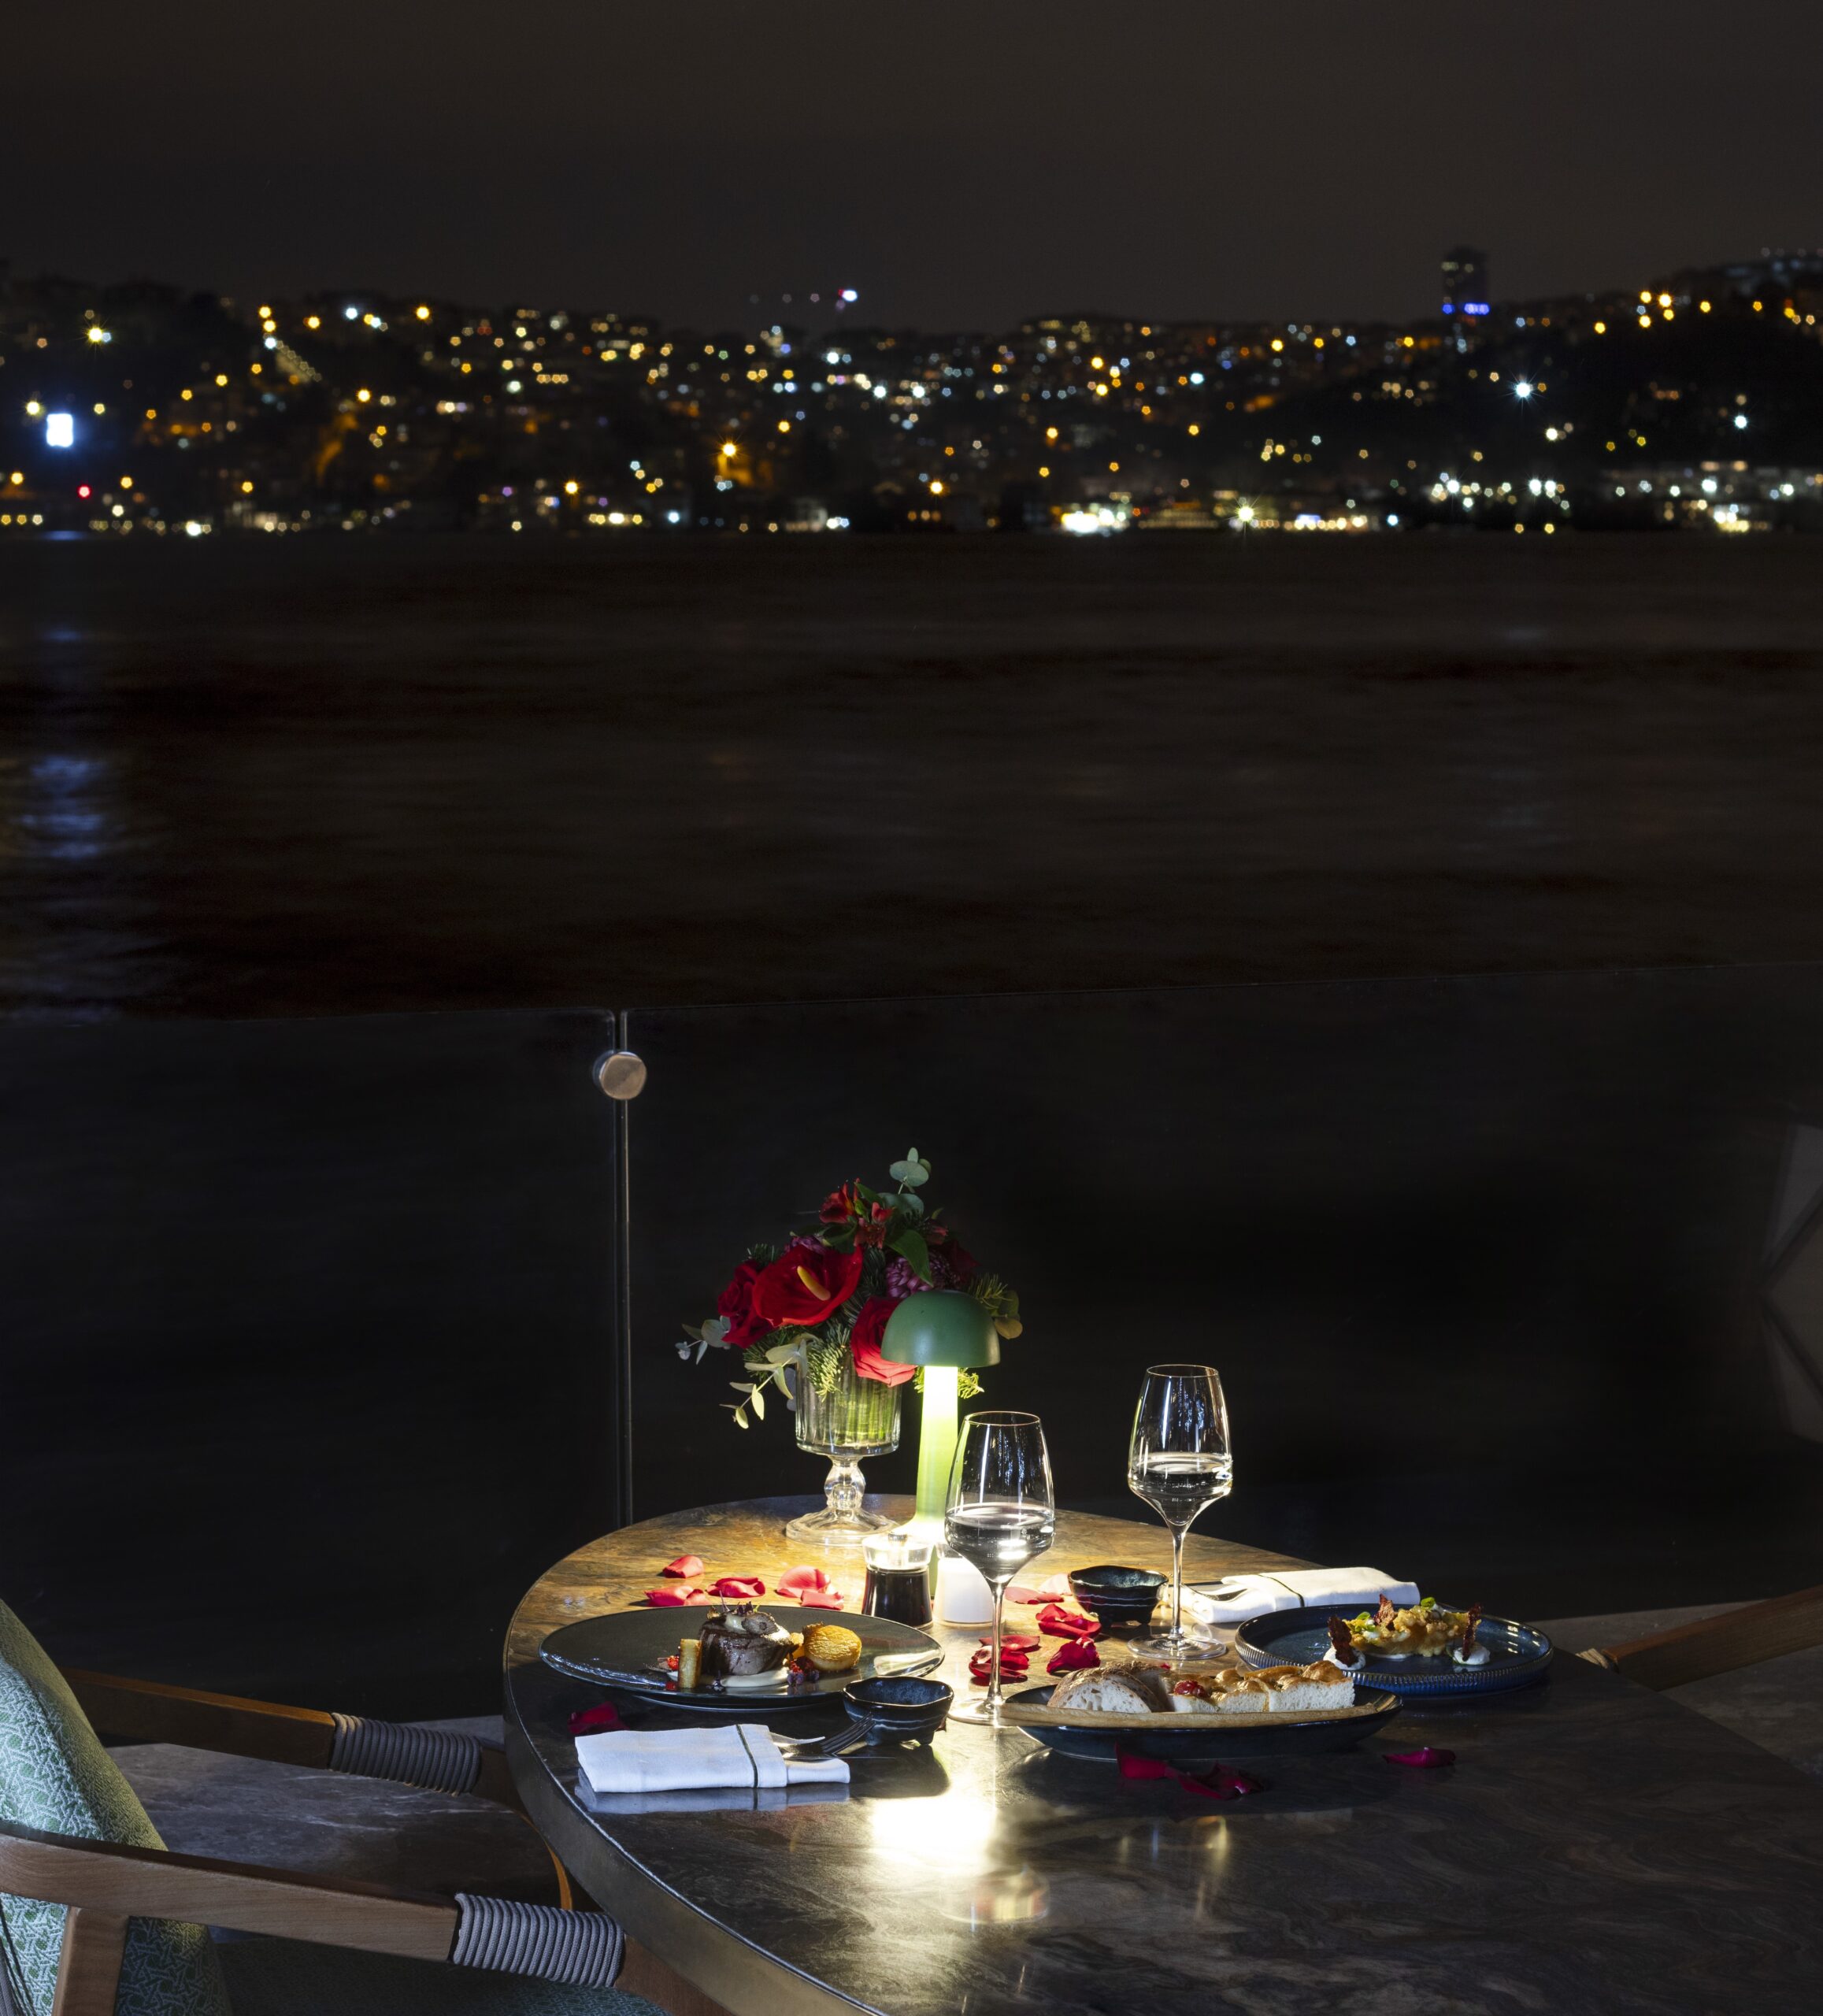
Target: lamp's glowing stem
column 937, row 1440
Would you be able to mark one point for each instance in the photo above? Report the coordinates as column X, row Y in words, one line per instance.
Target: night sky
column 960, row 164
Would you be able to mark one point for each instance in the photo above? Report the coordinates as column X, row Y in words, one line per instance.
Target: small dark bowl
column 900, row 1709
column 1118, row 1595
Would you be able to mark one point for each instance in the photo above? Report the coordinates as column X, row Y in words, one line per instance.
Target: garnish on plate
column 1426, row 1628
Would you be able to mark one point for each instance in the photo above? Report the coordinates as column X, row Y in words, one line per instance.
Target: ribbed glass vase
column 856, row 1418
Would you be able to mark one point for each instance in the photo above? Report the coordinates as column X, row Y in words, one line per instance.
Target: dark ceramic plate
column 1518, row 1655
column 628, row 1650
column 1202, row 1739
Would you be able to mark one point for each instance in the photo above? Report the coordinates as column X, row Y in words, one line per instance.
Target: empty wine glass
column 1002, row 1511
column 1178, row 1462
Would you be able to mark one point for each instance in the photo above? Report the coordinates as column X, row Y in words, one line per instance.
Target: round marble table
column 1595, row 1848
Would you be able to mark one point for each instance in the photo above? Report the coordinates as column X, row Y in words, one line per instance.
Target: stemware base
column 828, row 1528
column 1188, row 1644
column 842, row 1521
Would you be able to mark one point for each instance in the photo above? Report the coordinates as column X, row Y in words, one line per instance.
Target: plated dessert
column 743, row 1647
column 725, row 1658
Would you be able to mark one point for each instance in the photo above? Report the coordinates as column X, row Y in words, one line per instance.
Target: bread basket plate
column 1516, row 1654
column 1174, row 1738
column 627, row 1650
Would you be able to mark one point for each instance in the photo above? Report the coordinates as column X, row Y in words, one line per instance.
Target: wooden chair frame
column 1719, row 1644
column 104, row 1884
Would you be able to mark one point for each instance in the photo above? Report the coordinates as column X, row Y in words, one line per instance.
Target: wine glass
column 1178, row 1462
column 1002, row 1512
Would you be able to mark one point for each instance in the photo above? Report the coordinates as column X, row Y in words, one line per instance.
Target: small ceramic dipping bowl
column 1117, row 1597
column 899, row 1710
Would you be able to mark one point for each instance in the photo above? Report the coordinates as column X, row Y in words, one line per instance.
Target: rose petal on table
column 674, row 1599
column 1206, row 1787
column 1021, row 1592
column 1057, row 1622
column 1054, row 1585
column 1133, row 1766
column 1016, row 1641
column 1075, row 1655
column 605, row 1715
column 685, row 1564
column 740, row 1589
column 1425, row 1759
column 818, row 1598
column 795, row 1580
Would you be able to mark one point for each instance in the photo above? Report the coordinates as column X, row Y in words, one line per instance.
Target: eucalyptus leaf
column 910, row 1247
column 759, row 1403
column 911, row 1172
column 740, row 1417
column 781, row 1354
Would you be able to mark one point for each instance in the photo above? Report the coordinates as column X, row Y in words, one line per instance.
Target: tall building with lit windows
column 1465, row 281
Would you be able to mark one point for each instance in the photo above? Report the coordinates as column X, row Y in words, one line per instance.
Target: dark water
column 295, row 777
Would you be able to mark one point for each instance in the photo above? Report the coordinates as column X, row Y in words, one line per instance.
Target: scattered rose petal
column 820, row 1598
column 604, row 1716
column 685, row 1564
column 1426, row 1759
column 1016, row 1641
column 1221, row 1783
column 1075, row 1655
column 1013, row 1665
column 1021, row 1592
column 1054, row 1585
column 674, row 1599
column 740, row 1589
column 794, row 1581
column 1057, row 1622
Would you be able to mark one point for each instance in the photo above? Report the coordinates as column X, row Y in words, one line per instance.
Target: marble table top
column 1595, row 1848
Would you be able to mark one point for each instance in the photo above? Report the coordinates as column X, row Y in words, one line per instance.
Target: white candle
column 963, row 1595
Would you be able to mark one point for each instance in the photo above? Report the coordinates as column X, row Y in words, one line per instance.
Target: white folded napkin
column 733, row 1754
column 1243, row 1596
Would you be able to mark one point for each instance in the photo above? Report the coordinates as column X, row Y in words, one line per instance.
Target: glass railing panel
column 309, row 1343
column 1487, row 1264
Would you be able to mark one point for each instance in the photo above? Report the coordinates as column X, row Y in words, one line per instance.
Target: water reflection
column 60, row 812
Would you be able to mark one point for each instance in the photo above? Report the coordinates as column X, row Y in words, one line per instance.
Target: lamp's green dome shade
column 942, row 1326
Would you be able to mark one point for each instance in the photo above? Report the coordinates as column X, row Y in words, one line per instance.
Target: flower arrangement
column 823, row 1298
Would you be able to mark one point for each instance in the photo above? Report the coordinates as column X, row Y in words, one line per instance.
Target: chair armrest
column 152, row 1883
column 1720, row 1644
column 106, row 1883
column 123, row 1710
column 147, row 1711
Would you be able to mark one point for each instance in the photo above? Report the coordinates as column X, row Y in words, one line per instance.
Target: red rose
column 952, row 1265
column 735, row 1302
column 806, row 1284
column 868, row 1329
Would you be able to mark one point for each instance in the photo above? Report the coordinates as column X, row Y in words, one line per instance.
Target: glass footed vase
column 856, row 1418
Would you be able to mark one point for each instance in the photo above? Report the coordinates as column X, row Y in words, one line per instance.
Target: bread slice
column 1310, row 1690
column 1112, row 1691
column 689, row 1661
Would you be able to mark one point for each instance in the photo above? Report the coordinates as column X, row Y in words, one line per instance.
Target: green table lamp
column 946, row 1333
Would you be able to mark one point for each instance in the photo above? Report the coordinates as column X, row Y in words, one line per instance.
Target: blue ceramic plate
column 1518, row 1655
column 1210, row 1739
column 627, row 1649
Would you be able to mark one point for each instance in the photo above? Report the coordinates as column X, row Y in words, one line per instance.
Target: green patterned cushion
column 54, row 1775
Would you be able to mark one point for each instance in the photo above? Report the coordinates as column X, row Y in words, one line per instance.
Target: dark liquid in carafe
column 902, row 1594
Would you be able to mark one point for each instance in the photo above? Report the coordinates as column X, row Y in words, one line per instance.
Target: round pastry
column 742, row 1644
column 832, row 1648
